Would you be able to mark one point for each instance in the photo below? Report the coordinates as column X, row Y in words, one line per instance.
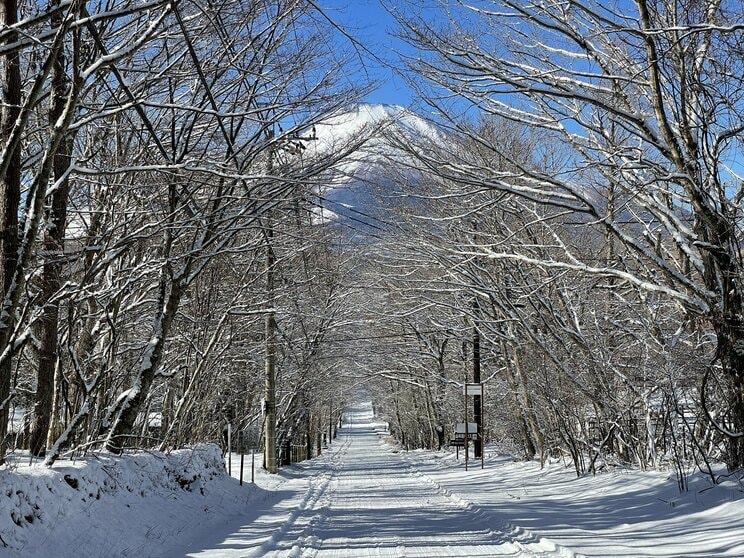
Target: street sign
column 473, row 389
column 472, row 429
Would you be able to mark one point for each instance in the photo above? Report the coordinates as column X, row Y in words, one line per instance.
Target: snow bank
column 106, row 505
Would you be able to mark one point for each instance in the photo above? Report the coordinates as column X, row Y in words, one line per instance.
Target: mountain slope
column 363, row 185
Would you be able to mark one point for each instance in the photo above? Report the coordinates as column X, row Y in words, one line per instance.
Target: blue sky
column 369, row 23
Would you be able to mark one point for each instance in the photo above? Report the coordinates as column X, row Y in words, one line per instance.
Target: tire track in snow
column 501, row 532
column 530, row 543
column 360, row 500
column 308, row 544
column 315, row 500
column 314, row 492
column 380, row 507
column 313, row 544
column 316, row 543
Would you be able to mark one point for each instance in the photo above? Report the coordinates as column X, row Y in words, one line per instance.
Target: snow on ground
column 108, row 506
column 362, row 497
column 622, row 514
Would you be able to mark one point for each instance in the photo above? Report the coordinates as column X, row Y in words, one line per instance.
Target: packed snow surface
column 362, row 497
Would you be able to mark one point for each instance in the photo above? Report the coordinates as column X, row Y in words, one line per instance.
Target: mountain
column 364, row 183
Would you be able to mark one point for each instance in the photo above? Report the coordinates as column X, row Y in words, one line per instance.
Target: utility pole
column 270, row 359
column 270, row 339
column 270, row 453
column 477, row 399
column 477, row 403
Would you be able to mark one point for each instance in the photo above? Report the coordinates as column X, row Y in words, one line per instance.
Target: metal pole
column 242, row 455
column 477, row 407
column 477, row 403
column 253, row 466
column 330, row 423
column 466, row 426
column 480, row 432
column 229, row 448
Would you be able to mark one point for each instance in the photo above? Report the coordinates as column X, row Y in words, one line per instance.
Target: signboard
column 460, row 428
column 473, row 389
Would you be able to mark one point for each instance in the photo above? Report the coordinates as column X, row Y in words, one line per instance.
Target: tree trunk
column 55, row 427
column 731, row 354
column 10, row 196
column 52, row 270
column 529, row 407
column 521, row 412
column 129, row 405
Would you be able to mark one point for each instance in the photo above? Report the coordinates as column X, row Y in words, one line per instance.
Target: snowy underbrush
column 106, row 505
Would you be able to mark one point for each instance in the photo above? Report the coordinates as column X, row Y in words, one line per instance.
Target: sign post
column 463, row 432
column 466, row 427
column 475, row 390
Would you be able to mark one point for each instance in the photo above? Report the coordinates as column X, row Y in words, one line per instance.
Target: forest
column 203, row 225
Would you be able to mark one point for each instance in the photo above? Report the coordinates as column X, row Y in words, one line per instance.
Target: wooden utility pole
column 477, row 400
column 270, row 339
column 270, row 360
column 477, row 403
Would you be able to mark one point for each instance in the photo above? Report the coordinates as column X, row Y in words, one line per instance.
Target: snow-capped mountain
column 374, row 121
column 363, row 183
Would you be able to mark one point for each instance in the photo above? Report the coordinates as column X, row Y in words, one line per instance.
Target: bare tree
column 135, row 142
column 20, row 236
column 53, row 248
column 10, row 197
column 646, row 100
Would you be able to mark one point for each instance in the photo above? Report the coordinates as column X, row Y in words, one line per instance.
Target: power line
column 389, row 336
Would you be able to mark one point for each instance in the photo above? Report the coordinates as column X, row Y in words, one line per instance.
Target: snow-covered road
column 362, row 499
